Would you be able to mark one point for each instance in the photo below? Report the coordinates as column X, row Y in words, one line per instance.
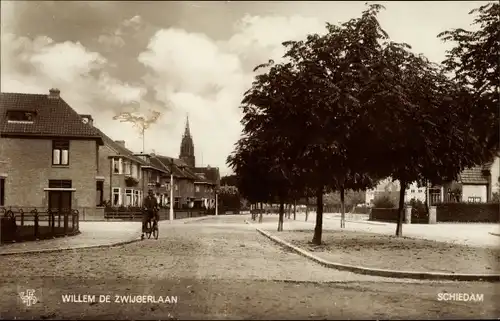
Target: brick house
column 183, row 181
column 208, row 180
column 49, row 154
column 120, row 181
column 154, row 177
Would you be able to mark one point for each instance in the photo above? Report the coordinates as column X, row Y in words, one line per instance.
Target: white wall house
column 480, row 182
column 387, row 185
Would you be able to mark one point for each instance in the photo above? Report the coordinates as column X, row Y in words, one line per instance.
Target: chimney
column 54, row 93
column 120, row 142
column 87, row 119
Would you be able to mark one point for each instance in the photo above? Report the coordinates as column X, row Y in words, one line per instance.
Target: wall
column 384, row 214
column 468, row 212
column 29, row 168
column 474, row 191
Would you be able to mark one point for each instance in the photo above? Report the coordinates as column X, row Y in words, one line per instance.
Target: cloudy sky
column 180, row 58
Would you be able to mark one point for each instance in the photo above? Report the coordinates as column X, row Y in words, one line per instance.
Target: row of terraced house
column 53, row 157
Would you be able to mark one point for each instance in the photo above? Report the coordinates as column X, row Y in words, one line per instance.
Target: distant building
column 392, row 188
column 207, row 178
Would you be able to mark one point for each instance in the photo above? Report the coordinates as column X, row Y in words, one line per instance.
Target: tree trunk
column 427, row 197
column 401, row 210
column 280, row 215
column 319, row 217
column 261, row 212
column 307, row 208
column 294, row 209
column 342, row 207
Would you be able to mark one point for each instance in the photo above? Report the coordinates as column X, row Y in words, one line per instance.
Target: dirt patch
column 404, row 254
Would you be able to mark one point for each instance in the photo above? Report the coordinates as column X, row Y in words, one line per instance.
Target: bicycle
column 152, row 228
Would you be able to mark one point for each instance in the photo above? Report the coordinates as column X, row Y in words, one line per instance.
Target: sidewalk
column 93, row 234
column 474, row 234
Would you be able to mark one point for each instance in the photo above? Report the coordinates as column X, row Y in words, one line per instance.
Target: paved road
column 219, row 268
column 92, row 234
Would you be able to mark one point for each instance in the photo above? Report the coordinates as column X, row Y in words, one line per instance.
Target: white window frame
column 59, row 153
column 116, row 165
column 134, row 170
column 127, row 167
column 116, row 191
column 474, row 199
column 136, row 198
column 128, row 192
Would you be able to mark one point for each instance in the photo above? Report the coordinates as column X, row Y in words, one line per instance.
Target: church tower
column 187, row 146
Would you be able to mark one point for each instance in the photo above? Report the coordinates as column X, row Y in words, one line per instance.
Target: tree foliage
column 350, row 107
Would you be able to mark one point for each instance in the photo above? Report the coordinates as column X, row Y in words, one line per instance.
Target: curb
column 381, row 272
column 494, row 234
column 200, row 219
column 71, row 248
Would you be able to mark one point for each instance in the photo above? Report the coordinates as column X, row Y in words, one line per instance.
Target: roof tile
column 54, row 117
column 473, row 175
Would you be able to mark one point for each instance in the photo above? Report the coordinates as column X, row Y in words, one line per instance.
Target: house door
column 60, row 201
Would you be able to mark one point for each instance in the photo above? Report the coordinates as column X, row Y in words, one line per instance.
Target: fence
column 28, row 224
column 135, row 213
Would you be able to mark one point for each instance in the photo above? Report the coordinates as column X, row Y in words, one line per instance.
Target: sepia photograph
column 249, row 160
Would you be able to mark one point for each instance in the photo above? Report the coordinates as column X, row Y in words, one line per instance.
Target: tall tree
column 474, row 62
column 263, row 154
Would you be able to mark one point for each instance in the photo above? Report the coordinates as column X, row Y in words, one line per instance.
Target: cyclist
column 150, row 205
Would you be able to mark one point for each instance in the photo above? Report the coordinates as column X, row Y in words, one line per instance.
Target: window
column 474, row 199
column 60, row 152
column 197, row 189
column 176, row 187
column 127, row 167
column 413, row 191
column 136, row 198
column 59, row 183
column 420, row 190
column 99, row 193
column 139, row 171
column 128, row 197
column 116, row 197
column 134, row 170
column 157, row 177
column 2, row 191
column 20, row 116
column 176, row 202
column 116, row 165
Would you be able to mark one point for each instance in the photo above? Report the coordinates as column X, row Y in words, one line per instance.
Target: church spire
column 187, row 132
column 187, row 146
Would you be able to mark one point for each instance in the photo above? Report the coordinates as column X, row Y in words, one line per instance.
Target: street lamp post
column 171, row 211
column 216, row 203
